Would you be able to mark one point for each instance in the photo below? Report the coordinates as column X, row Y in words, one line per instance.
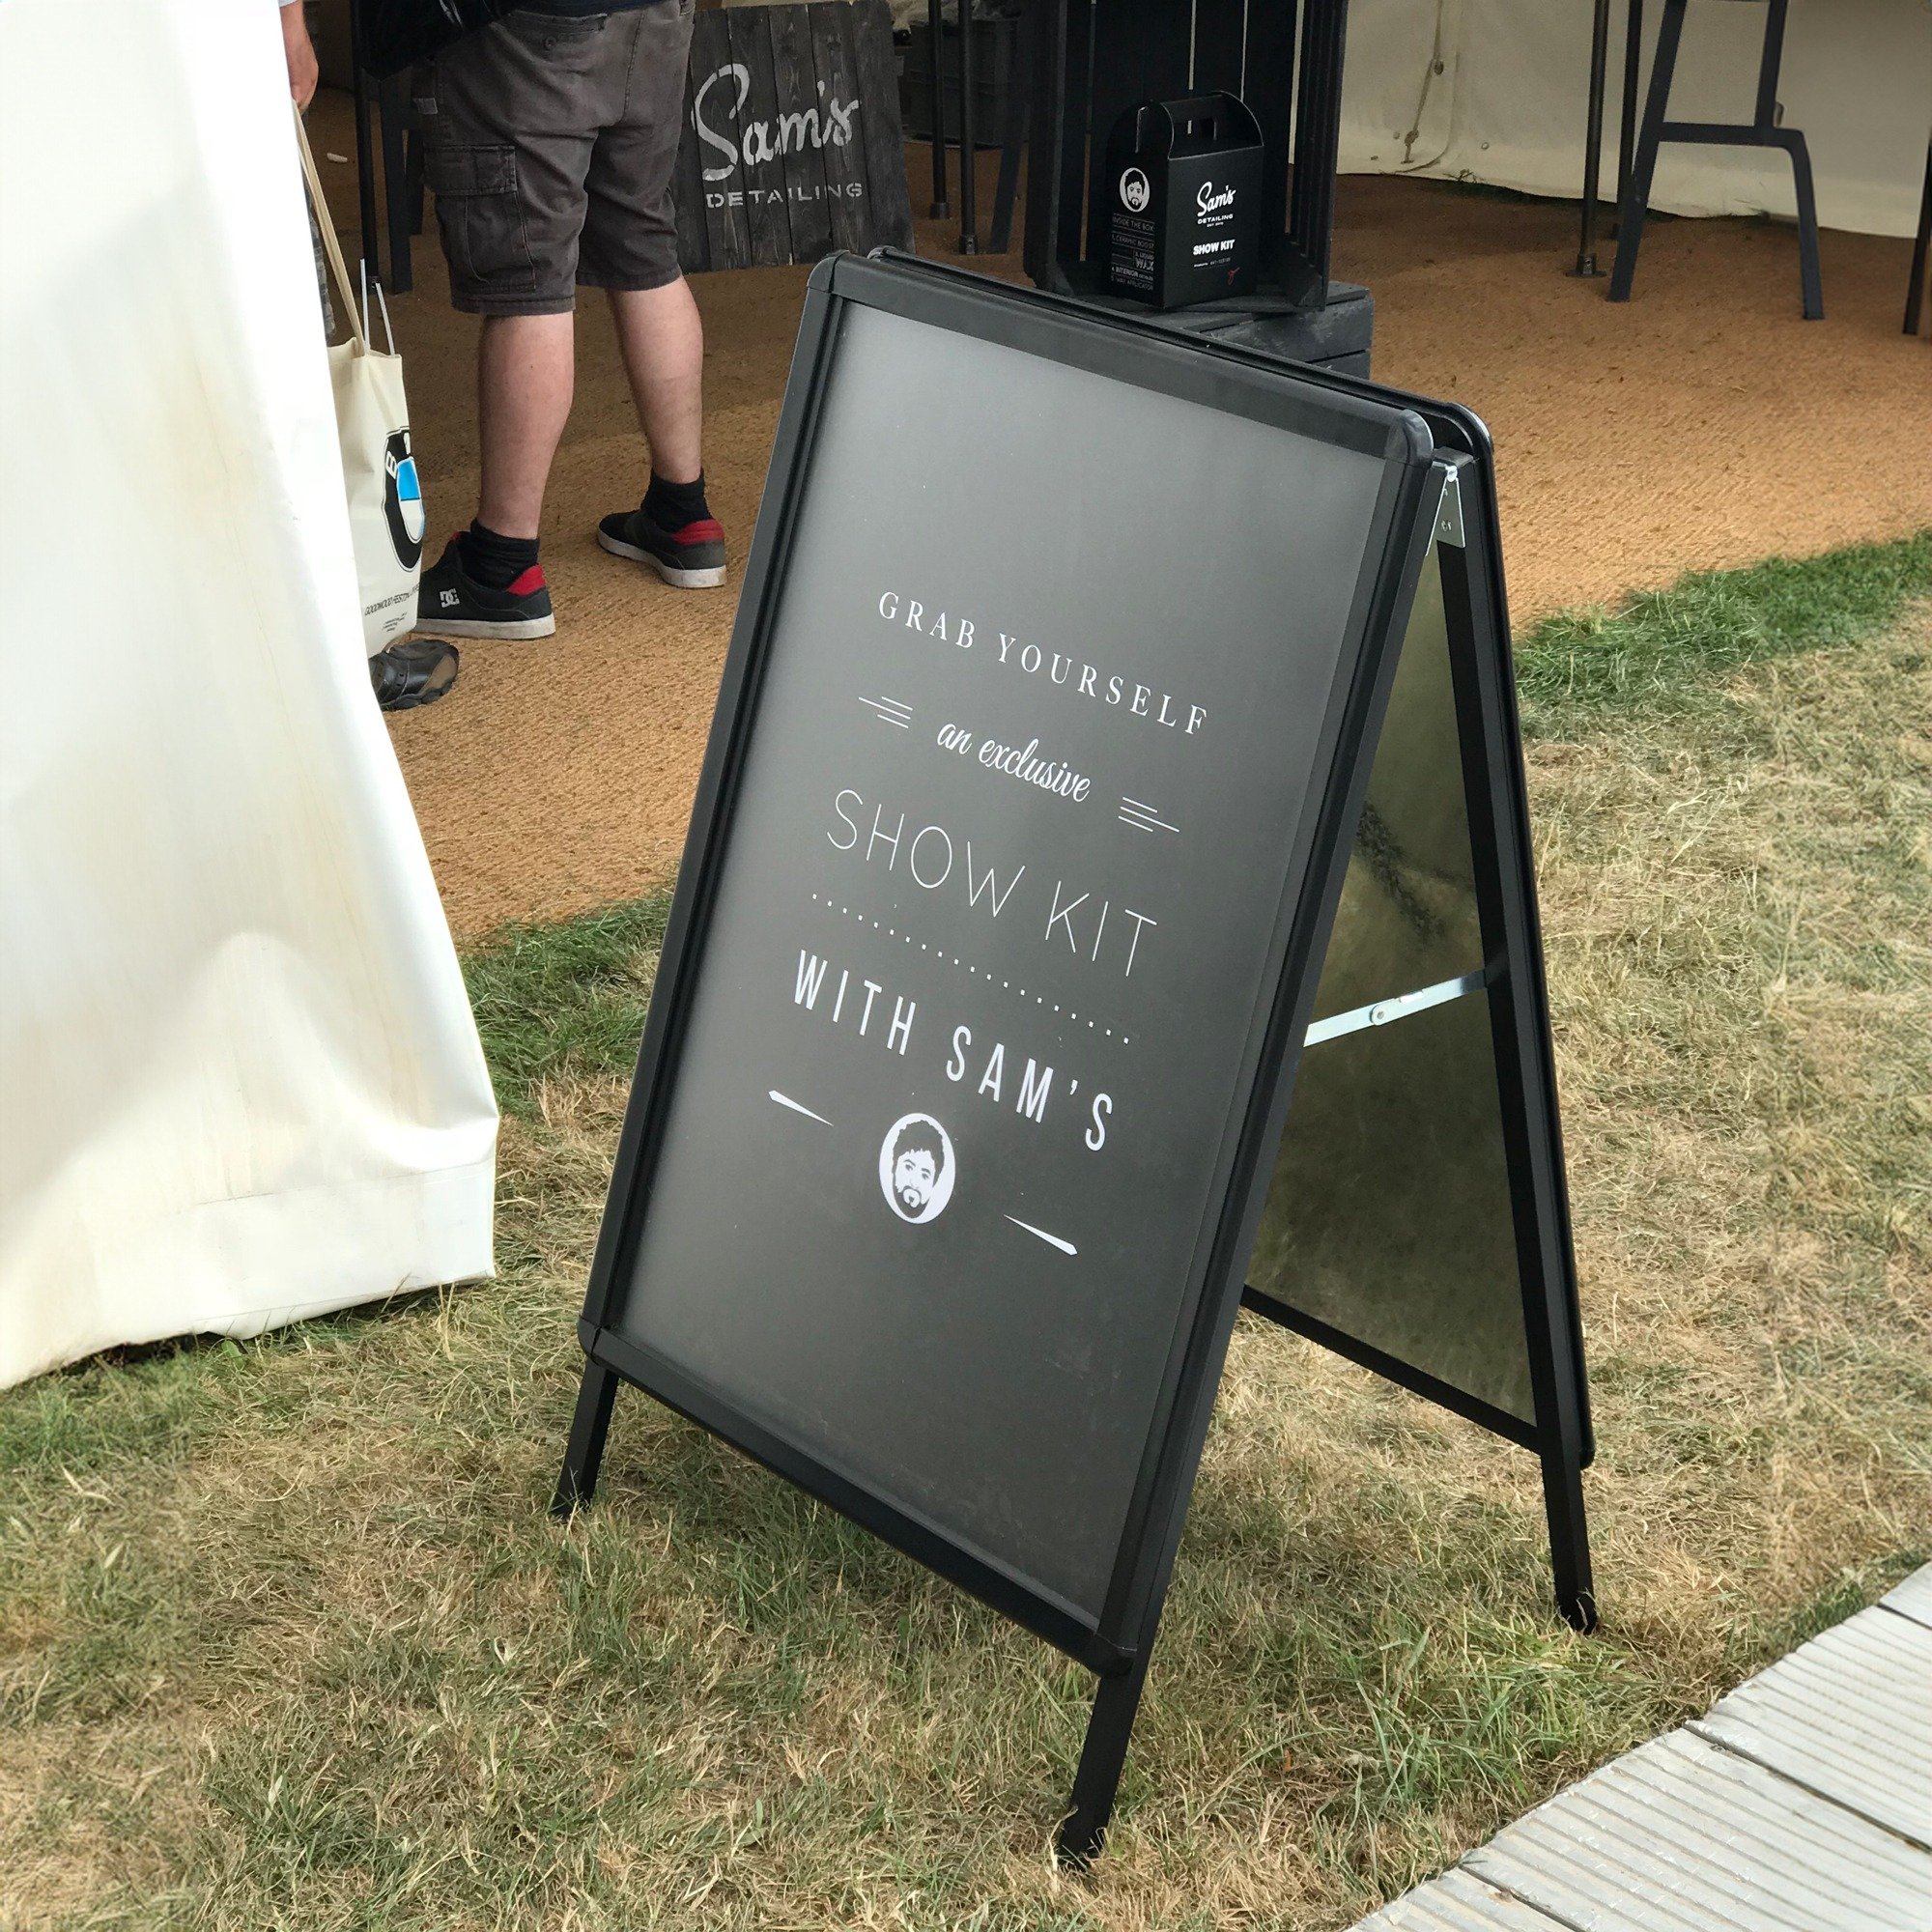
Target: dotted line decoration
column 971, row 971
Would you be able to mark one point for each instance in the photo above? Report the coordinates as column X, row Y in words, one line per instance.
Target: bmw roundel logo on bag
column 401, row 500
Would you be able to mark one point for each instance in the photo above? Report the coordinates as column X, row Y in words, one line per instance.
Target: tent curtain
column 239, row 1077
column 1495, row 91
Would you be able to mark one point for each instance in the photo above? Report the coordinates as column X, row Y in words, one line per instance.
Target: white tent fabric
column 239, row 1079
column 1507, row 105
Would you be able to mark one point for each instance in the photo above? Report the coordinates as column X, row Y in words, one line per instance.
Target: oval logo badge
column 403, row 501
column 916, row 1168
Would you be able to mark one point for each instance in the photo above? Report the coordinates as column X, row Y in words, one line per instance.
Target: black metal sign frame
column 1561, row 1435
column 1423, row 446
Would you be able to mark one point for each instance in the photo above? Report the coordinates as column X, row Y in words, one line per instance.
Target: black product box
column 1184, row 208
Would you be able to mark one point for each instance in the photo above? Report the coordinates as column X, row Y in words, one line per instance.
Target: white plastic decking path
column 1801, row 1802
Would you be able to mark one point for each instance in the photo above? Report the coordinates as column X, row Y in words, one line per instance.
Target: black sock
column 495, row 561
column 672, row 505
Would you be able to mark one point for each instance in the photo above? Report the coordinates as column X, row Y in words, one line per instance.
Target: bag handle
column 330, row 247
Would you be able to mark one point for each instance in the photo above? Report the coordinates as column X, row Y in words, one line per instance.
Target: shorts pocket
column 552, row 34
column 482, row 219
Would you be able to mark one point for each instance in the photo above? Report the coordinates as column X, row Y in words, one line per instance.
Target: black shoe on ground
column 689, row 559
column 413, row 672
column 450, row 601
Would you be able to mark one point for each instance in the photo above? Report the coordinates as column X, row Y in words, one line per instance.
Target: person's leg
column 487, row 582
column 661, row 338
column 630, row 251
column 510, row 115
column 525, row 369
column 672, row 529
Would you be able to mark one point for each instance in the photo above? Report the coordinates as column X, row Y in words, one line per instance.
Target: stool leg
column 413, row 174
column 1914, row 300
column 1012, row 143
column 969, row 215
column 393, row 99
column 1626, row 114
column 1808, row 272
column 1636, row 198
column 365, row 150
column 941, row 207
column 1593, row 139
column 1764, row 124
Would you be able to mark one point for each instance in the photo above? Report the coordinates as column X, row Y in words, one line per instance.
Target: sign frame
column 1427, row 450
column 1562, row 1436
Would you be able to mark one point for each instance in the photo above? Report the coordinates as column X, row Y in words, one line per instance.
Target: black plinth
column 1337, row 335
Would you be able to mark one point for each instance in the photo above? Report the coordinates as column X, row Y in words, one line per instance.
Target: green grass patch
column 286, row 1638
column 566, row 999
column 1664, row 649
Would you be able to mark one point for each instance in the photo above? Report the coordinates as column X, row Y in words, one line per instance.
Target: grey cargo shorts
column 548, row 141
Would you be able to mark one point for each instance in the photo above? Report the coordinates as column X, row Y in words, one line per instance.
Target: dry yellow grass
column 286, row 1638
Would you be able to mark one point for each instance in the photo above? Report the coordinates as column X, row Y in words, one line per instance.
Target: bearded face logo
column 916, row 1168
column 401, row 500
column 913, row 1175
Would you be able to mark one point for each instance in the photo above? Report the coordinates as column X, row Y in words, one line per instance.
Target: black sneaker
column 691, row 558
column 413, row 672
column 450, row 601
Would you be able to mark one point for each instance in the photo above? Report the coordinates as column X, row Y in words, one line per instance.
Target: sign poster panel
column 1001, row 883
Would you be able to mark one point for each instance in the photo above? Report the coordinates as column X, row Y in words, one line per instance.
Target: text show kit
column 1114, row 726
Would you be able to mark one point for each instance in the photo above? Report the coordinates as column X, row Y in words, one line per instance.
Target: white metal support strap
column 1382, row 1011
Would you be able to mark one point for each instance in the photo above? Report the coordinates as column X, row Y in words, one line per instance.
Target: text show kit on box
column 1092, row 923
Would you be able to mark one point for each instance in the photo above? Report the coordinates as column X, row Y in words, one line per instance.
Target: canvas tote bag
column 385, row 506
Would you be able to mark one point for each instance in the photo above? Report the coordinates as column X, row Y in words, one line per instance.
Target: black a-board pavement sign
column 791, row 145
column 1114, row 726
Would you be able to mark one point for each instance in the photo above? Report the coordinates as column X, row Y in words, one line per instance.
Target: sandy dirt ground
column 1702, row 425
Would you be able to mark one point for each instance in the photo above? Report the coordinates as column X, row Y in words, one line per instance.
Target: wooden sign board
column 1042, row 834
column 791, row 145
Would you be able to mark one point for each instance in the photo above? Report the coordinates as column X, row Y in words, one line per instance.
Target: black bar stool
column 1760, row 132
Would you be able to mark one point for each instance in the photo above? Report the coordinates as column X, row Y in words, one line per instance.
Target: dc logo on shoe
column 1136, row 193
column 401, row 500
column 448, row 598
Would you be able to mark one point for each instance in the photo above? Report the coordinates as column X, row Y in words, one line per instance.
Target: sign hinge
column 1449, row 513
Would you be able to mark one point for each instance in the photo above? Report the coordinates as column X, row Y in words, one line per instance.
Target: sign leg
column 584, row 1455
column 1569, row 1541
column 1101, row 1759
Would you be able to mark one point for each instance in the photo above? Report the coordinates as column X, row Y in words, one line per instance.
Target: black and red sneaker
column 451, row 602
column 688, row 558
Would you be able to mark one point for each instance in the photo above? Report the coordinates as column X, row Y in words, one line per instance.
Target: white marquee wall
column 1508, row 107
